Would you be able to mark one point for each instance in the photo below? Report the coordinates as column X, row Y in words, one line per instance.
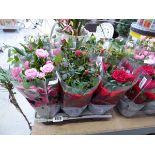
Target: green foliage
column 117, row 52
column 5, row 79
column 123, row 27
column 77, row 71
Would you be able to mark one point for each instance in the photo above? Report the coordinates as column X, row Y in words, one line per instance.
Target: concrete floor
column 11, row 121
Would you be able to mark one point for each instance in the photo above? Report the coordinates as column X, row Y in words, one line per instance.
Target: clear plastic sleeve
column 42, row 95
column 140, row 99
column 104, row 98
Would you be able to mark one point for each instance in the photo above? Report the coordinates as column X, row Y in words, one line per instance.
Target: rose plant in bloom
column 116, row 81
column 36, row 71
column 76, row 69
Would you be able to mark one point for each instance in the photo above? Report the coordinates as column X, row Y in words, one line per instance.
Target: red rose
column 149, row 95
column 105, row 66
column 146, row 70
column 78, row 53
column 121, row 76
column 86, row 72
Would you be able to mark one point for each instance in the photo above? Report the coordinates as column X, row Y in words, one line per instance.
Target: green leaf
column 10, row 59
column 26, row 49
column 40, row 43
column 19, row 51
column 57, row 59
column 16, row 58
column 81, row 68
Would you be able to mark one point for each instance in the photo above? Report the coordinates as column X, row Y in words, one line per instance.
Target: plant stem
column 15, row 103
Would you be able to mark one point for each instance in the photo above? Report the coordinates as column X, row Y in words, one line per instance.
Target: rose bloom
column 78, row 53
column 121, row 76
column 16, row 73
column 55, row 51
column 86, row 72
column 48, row 68
column 31, row 73
column 149, row 70
column 42, row 53
column 40, row 75
column 139, row 57
column 26, row 65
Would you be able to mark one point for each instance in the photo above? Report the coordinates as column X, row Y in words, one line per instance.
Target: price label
column 58, row 119
column 143, row 81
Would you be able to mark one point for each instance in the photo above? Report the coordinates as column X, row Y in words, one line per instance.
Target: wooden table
column 116, row 125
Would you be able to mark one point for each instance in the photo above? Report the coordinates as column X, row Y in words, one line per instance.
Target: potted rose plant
column 79, row 78
column 116, row 81
column 34, row 75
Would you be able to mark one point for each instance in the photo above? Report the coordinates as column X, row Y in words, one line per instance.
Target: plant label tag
column 143, row 81
column 53, row 82
column 149, row 61
column 57, row 119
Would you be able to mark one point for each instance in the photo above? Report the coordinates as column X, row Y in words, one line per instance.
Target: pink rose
column 139, row 57
column 55, row 51
column 42, row 53
column 145, row 53
column 16, row 73
column 48, row 68
column 40, row 75
column 78, row 53
column 31, row 73
column 26, row 65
